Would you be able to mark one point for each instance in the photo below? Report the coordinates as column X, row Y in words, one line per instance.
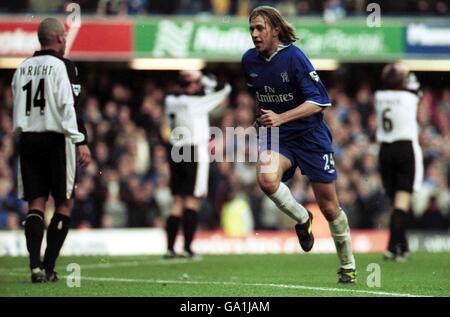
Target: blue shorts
column 312, row 152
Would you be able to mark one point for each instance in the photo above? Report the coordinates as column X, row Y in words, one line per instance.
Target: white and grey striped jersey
column 45, row 89
column 188, row 116
column 396, row 113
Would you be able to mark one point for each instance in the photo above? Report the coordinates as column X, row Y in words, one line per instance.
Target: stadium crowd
column 127, row 184
column 336, row 8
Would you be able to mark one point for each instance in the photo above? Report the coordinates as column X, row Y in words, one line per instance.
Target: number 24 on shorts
column 329, row 162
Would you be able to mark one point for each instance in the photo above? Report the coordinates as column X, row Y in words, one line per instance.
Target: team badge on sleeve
column 76, row 89
column 314, row 75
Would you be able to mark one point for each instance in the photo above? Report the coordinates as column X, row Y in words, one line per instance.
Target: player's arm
column 69, row 122
column 84, row 154
column 311, row 87
column 212, row 100
column 76, row 89
column 16, row 108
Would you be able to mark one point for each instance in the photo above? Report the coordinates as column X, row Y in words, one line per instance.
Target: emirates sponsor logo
column 271, row 98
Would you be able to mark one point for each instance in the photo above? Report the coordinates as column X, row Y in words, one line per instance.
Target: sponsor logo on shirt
column 271, row 98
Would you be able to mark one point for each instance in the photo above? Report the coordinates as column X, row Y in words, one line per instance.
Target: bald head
column 48, row 31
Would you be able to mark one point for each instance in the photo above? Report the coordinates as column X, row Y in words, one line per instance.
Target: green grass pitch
column 427, row 274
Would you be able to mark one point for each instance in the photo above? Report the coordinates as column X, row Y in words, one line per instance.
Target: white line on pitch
column 270, row 285
column 119, row 264
column 291, row 286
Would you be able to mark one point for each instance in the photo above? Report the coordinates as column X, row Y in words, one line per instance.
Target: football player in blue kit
column 291, row 97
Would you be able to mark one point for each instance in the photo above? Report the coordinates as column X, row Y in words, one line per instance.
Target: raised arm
column 210, row 101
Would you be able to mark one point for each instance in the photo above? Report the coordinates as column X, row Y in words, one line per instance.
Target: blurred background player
column 187, row 114
column 400, row 156
column 291, row 96
column 45, row 88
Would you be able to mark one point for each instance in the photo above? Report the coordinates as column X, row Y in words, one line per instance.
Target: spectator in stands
column 433, row 217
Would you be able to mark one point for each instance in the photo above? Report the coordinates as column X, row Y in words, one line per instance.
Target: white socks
column 287, row 203
column 339, row 227
column 341, row 235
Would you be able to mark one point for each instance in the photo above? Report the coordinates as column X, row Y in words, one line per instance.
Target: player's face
column 191, row 82
column 264, row 37
column 193, row 87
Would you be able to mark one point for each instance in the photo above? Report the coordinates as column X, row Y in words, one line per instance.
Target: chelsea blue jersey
column 283, row 82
